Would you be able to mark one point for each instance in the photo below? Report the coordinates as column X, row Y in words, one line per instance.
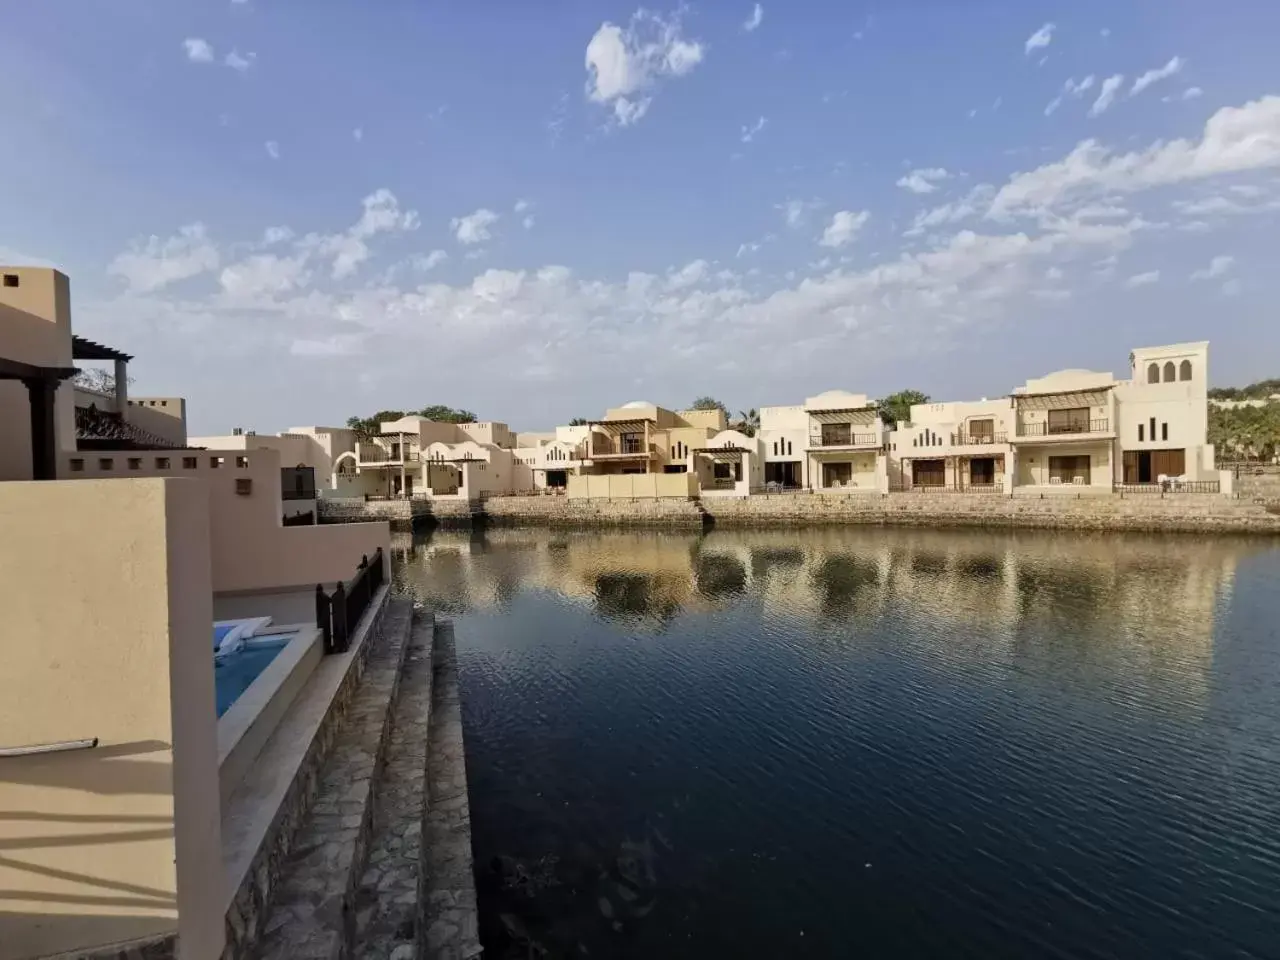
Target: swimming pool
column 233, row 673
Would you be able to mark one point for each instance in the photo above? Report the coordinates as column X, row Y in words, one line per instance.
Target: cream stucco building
column 1074, row 430
column 833, row 442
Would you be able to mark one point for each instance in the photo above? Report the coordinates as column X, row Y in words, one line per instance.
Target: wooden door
column 929, row 473
column 1131, row 466
column 1170, row 463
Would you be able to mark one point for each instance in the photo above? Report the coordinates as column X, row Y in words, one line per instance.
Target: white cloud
column 357, row 134
column 623, row 62
column 1143, row 279
column 521, row 206
column 844, row 227
column 795, row 212
column 236, row 62
column 1107, row 95
column 1069, row 89
column 528, row 222
column 474, row 227
column 265, row 275
column 349, row 249
column 756, row 18
column 155, row 264
column 198, row 51
column 923, row 181
column 1041, row 38
column 749, row 132
column 337, row 345
column 274, row 235
column 1191, row 93
column 974, row 202
column 1174, row 66
column 1219, row 266
column 430, row 261
column 273, row 149
column 690, row 275
column 1235, row 140
column 1104, row 32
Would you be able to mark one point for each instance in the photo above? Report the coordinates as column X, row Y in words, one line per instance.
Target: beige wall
column 250, row 549
column 166, row 417
column 640, row 485
column 122, row 841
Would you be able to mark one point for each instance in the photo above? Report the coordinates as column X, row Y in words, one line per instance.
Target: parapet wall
column 1174, row 513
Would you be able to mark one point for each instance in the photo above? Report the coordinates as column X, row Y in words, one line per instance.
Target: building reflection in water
column 1134, row 600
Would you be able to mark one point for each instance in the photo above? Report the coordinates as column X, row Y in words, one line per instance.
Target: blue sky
column 295, row 211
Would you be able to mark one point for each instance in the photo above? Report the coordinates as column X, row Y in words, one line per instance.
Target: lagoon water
column 867, row 743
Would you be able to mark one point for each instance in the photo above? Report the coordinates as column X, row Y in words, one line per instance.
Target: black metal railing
column 844, row 440
column 1058, row 429
column 947, row 488
column 977, row 439
column 1169, row 486
column 307, row 519
column 338, row 613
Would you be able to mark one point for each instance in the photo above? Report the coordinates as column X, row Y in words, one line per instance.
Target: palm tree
column 748, row 422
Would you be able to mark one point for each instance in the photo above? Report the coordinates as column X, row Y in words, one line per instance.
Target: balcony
column 978, row 439
column 624, row 447
column 1063, row 430
column 370, row 454
column 840, row 439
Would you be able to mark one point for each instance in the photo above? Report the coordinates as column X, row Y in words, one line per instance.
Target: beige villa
column 1074, row 430
column 124, row 545
column 832, row 443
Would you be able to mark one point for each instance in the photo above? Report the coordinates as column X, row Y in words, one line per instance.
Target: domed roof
column 636, row 404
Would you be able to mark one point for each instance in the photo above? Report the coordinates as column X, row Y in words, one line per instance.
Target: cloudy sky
column 292, row 211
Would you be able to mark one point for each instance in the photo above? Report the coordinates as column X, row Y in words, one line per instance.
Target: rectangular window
column 1153, row 428
column 1074, row 420
column 631, row 443
column 190, row 463
column 106, row 463
column 162, row 463
column 77, row 465
column 1141, row 432
column 982, row 431
column 242, row 462
column 837, row 434
column 244, row 486
column 135, row 463
column 1164, row 431
column 10, row 279
column 216, row 462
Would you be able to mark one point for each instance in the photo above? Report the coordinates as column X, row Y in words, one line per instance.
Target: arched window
column 1153, row 373
column 1168, row 372
column 1184, row 370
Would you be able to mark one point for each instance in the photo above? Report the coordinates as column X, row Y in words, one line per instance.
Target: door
column 1131, row 468
column 1075, row 420
column 929, row 473
column 1075, row 470
column 982, row 431
column 557, row 478
column 1168, row 463
column 982, row 471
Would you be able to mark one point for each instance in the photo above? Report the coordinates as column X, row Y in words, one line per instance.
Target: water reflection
column 690, row 745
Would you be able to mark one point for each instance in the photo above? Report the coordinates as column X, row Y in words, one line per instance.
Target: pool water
column 233, row 674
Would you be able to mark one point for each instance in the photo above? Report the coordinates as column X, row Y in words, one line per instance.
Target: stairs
column 360, row 883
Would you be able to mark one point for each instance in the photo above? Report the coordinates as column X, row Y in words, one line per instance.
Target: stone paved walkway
column 448, row 879
column 311, row 913
column 387, row 902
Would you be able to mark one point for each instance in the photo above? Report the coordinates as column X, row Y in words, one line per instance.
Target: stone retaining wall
column 1259, row 483
column 1172, row 513
column 402, row 514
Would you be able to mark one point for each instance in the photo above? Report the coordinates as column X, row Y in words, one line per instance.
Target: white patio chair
column 1078, row 481
column 1055, row 481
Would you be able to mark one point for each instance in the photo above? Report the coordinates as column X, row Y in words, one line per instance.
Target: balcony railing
column 626, row 447
column 338, row 614
column 375, row 454
column 1170, row 486
column 977, row 439
column 1070, row 428
column 927, row 488
column 845, row 440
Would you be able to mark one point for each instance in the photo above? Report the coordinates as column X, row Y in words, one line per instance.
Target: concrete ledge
column 250, row 721
column 260, row 820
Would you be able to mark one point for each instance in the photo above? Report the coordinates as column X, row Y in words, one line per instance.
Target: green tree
column 366, row 427
column 442, row 414
column 1245, row 433
column 1254, row 391
column 579, row 422
column 748, row 422
column 896, row 408
column 710, row 403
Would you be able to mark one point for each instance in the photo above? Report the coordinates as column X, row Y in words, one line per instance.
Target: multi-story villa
column 1072, row 429
column 832, row 442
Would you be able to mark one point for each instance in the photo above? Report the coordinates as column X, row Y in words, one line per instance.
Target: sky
column 296, row 211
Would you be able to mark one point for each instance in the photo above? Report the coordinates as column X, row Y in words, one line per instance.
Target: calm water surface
column 860, row 743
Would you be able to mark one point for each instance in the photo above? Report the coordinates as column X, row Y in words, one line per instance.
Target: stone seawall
column 1259, row 483
column 402, row 514
column 1174, row 513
